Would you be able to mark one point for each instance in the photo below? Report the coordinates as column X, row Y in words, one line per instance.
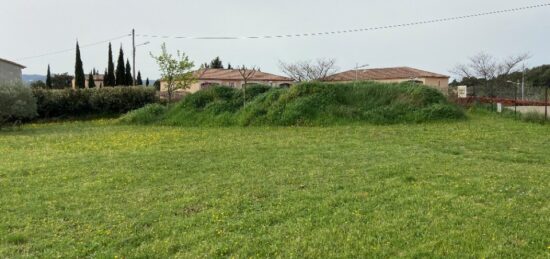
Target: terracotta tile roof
column 11, row 62
column 384, row 74
column 233, row 74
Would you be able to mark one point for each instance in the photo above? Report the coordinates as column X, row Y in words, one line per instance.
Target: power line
column 440, row 20
column 73, row 49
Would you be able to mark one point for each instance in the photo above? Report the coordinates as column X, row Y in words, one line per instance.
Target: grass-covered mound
column 305, row 104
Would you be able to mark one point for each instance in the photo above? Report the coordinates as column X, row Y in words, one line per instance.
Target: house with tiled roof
column 394, row 75
column 233, row 78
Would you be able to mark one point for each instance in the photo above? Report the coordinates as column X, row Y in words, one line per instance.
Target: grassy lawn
column 476, row 188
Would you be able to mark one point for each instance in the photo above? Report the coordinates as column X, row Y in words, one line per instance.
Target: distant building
column 10, row 71
column 232, row 78
column 394, row 75
column 98, row 80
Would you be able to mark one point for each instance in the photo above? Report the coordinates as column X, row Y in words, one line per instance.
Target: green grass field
column 475, row 188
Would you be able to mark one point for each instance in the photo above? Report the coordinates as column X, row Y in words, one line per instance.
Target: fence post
column 545, row 103
column 515, row 102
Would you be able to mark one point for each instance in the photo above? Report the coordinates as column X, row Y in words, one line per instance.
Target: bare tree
column 309, row 70
column 511, row 63
column 487, row 67
column 246, row 75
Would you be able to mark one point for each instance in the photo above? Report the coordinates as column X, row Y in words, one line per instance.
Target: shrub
column 96, row 101
column 16, row 103
column 146, row 115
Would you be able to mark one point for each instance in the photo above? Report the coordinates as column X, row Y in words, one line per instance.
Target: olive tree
column 176, row 72
column 18, row 103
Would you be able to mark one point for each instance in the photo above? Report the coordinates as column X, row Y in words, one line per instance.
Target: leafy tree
column 91, row 82
column 175, row 71
column 128, row 75
column 110, row 79
column 216, row 63
column 120, row 69
column 80, row 78
column 539, row 76
column 138, row 79
column 49, row 79
column 60, row 81
column 38, row 84
column 157, row 85
column 147, row 82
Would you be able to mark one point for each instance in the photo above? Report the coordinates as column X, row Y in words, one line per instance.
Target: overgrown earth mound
column 309, row 104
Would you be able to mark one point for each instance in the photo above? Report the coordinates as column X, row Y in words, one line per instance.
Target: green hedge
column 91, row 102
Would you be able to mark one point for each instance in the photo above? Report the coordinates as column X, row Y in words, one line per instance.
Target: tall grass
column 309, row 104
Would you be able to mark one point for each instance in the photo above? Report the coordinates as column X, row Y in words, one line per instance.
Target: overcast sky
column 35, row 27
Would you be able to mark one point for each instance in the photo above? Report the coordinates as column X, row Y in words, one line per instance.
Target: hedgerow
column 311, row 104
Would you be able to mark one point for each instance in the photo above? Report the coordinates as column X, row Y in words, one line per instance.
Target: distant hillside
column 32, row 78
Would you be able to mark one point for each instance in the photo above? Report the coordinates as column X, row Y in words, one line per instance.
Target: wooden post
column 515, row 102
column 546, row 104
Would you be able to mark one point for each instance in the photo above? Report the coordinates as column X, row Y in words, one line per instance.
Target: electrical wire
column 440, row 20
column 73, row 49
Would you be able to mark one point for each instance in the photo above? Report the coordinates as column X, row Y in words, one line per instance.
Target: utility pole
column 134, row 57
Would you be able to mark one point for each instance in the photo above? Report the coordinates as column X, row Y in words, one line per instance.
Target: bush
column 16, row 103
column 96, row 101
column 149, row 114
column 313, row 104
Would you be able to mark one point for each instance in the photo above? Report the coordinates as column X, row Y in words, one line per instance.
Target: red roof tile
column 384, row 74
column 233, row 74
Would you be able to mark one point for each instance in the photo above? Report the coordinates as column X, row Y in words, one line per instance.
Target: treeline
column 121, row 75
column 536, row 77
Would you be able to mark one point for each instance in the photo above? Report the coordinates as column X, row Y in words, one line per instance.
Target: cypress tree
column 229, row 66
column 110, row 73
column 49, row 79
column 128, row 75
column 79, row 77
column 147, row 82
column 216, row 63
column 105, row 79
column 138, row 79
column 91, row 82
column 120, row 69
